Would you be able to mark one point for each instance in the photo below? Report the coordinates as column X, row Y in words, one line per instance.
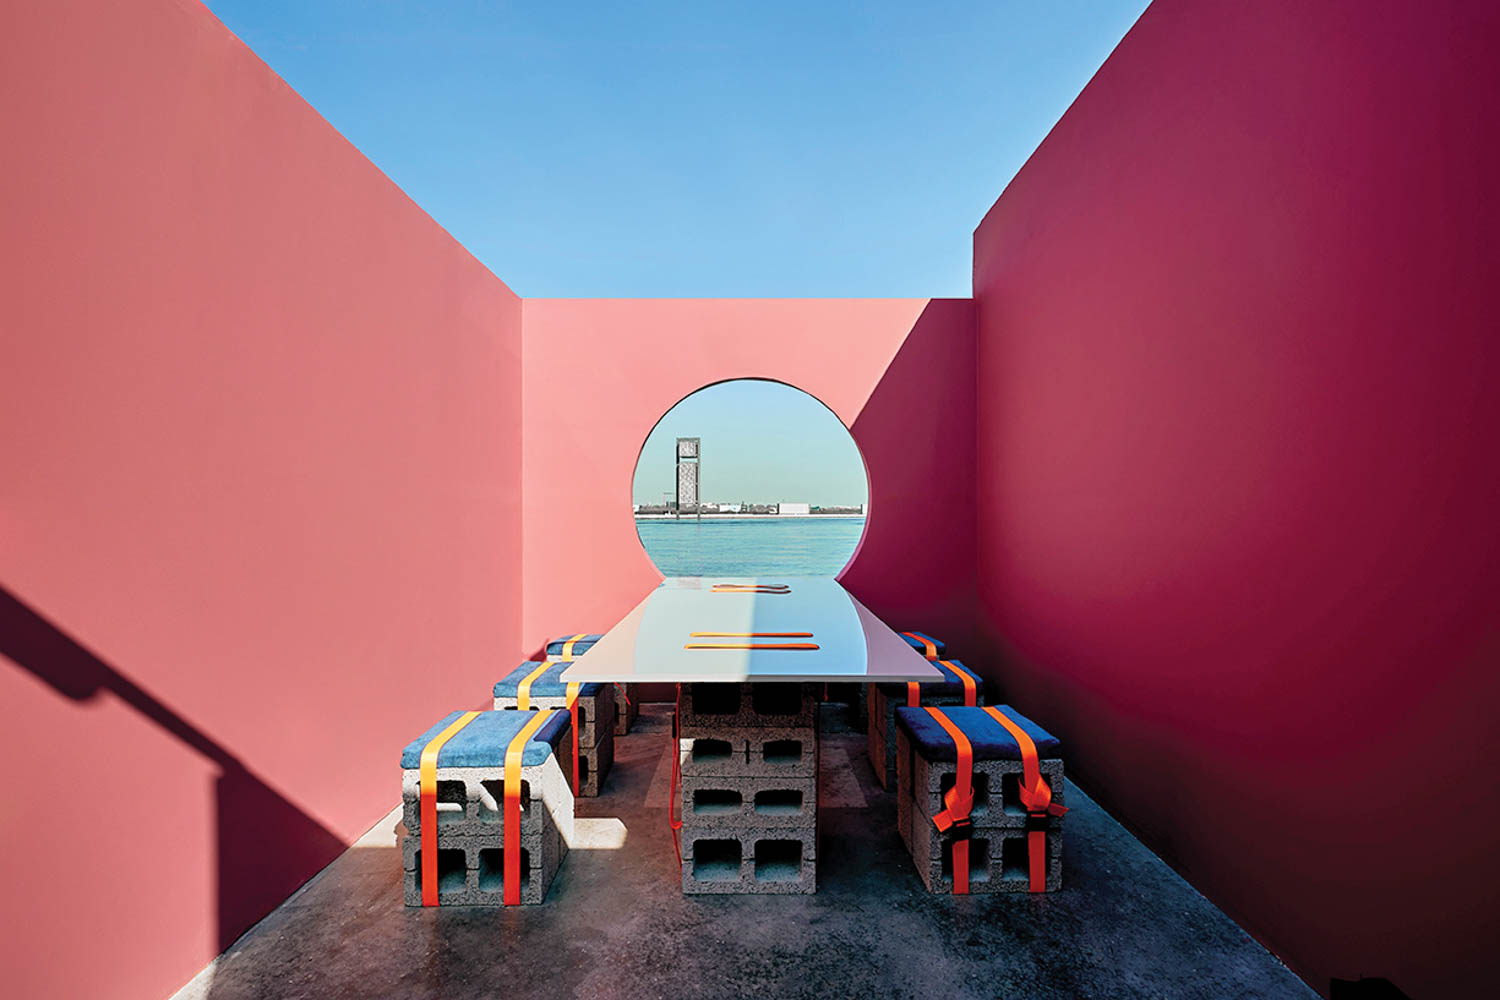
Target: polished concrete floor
column 617, row 925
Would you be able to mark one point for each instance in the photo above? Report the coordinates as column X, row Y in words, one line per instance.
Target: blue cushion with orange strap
column 555, row 646
column 990, row 739
column 483, row 742
column 950, row 684
column 547, row 683
column 916, row 643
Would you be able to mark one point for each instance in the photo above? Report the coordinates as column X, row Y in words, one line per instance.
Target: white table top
column 648, row 645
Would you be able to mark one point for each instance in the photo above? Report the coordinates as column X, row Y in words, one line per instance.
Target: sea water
column 751, row 546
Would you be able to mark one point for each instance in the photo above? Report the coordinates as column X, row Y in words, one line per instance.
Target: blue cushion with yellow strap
column 483, row 742
column 914, row 640
column 990, row 739
column 547, row 683
column 949, row 685
column 555, row 646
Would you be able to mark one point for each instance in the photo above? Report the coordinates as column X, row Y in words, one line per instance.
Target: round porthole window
column 750, row 477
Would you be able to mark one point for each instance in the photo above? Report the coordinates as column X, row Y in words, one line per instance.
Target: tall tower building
column 688, row 458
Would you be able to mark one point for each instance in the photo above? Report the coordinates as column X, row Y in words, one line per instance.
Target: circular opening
column 750, row 477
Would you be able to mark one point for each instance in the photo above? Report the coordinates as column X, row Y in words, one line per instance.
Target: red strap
column 512, row 842
column 572, row 704
column 929, row 650
column 427, row 805
column 1036, row 797
column 913, row 694
column 958, row 801
column 971, row 690
column 674, row 822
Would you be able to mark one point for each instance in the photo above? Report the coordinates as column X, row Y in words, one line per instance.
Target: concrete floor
column 617, row 925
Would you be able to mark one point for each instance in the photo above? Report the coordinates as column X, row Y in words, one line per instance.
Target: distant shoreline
column 750, row 517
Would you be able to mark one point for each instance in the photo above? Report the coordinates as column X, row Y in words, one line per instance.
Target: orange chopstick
column 751, row 645
column 751, row 635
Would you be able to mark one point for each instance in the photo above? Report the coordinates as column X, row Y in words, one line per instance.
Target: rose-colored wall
column 1238, row 428
column 260, row 501
column 600, row 373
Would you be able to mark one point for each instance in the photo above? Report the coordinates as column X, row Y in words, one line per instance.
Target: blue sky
column 762, row 441
column 696, row 149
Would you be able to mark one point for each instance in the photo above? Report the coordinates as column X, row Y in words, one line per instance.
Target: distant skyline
column 677, row 149
column 763, row 442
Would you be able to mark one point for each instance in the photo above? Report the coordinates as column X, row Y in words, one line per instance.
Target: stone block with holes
column 747, row 861
column 596, row 713
column 752, row 751
column 627, row 707
column 739, row 705
column 719, row 802
column 927, row 763
column 471, row 868
column 885, row 698
column 471, row 816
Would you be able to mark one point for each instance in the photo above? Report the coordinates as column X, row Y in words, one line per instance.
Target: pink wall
column 1237, row 432
column 259, row 508
column 600, row 373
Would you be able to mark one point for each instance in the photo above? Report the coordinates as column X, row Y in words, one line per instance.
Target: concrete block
column 752, row 751
column 594, row 764
column 596, row 714
column 471, row 799
column 627, row 707
column 998, row 859
column 771, row 861
column 471, row 868
column 710, row 752
column 997, row 785
column 745, row 704
column 742, row 802
column 881, row 728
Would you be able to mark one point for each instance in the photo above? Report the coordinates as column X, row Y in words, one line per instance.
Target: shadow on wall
column 248, row 816
column 915, row 565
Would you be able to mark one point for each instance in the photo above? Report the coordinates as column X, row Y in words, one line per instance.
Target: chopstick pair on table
column 751, row 645
column 751, row 588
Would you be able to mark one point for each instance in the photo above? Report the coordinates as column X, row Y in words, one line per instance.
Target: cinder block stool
column 627, row 703
column 959, row 686
column 487, row 811
column 535, row 685
column 979, row 799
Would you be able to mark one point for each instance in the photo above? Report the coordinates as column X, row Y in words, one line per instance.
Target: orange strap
column 427, row 805
column 674, row 822
column 929, row 650
column 567, row 652
column 958, row 801
column 1036, row 796
column 512, row 852
column 523, row 689
column 971, row 690
column 572, row 704
column 913, row 694
column 750, row 635
column 751, row 645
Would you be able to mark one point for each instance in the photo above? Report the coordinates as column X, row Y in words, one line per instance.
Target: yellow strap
column 512, row 843
column 427, row 805
column 572, row 703
column 567, row 652
column 523, row 689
